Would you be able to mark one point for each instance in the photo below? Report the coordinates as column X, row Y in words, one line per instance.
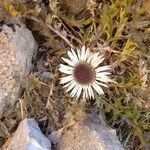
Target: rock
column 29, row 137
column 55, row 136
column 86, row 135
column 73, row 7
column 17, row 46
column 146, row 6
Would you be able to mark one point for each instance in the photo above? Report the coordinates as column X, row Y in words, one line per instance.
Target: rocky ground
column 35, row 111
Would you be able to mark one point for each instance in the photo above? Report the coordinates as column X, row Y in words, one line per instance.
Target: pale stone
column 87, row 135
column 17, row 47
column 29, row 137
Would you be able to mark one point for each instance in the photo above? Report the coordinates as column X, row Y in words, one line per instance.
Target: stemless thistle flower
column 84, row 75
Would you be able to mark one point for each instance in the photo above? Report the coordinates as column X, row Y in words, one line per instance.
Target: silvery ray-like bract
column 84, row 74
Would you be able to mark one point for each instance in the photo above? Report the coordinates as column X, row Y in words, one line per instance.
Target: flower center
column 84, row 73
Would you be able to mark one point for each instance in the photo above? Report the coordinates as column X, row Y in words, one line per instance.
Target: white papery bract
column 84, row 73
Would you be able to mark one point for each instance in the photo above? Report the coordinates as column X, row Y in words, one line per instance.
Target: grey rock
column 17, row 47
column 55, row 136
column 87, row 135
column 29, row 137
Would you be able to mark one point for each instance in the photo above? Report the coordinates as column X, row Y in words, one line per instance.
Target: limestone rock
column 29, row 137
column 17, row 46
column 86, row 135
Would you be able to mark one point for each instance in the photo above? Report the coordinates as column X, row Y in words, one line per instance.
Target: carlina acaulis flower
column 84, row 74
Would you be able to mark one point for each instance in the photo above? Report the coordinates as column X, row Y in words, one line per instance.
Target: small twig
column 60, row 35
column 52, row 29
column 115, row 64
column 21, row 108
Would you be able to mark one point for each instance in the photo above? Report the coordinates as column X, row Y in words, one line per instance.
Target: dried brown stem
column 51, row 28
